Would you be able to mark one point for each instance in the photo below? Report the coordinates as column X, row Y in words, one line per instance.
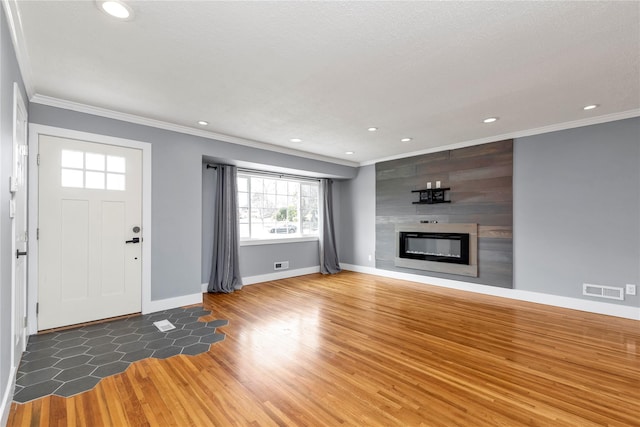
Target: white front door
column 90, row 238
column 19, row 226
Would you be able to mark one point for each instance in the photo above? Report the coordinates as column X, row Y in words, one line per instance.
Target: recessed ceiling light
column 406, row 139
column 202, row 123
column 590, row 107
column 490, row 120
column 116, row 8
column 372, row 129
column 295, row 140
column 349, row 152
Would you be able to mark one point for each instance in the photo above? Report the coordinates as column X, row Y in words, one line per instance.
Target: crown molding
column 19, row 45
column 131, row 118
column 519, row 134
column 159, row 124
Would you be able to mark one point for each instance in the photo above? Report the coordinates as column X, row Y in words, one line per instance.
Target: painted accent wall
column 480, row 178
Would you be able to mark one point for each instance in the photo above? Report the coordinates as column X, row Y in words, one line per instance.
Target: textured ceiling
column 326, row 71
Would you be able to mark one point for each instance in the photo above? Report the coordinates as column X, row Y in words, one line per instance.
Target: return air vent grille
column 281, row 265
column 602, row 291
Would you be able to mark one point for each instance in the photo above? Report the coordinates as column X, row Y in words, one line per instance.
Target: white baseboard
column 616, row 310
column 168, row 303
column 7, row 397
column 285, row 274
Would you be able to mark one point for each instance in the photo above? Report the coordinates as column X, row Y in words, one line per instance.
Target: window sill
column 255, row 242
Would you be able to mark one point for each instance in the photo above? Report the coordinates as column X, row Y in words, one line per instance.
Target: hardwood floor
column 354, row 349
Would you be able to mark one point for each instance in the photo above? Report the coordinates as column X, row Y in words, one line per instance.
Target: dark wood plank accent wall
column 481, row 181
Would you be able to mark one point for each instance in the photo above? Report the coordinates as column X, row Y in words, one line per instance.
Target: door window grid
column 92, row 171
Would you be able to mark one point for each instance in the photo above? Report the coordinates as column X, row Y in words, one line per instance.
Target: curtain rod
column 278, row 174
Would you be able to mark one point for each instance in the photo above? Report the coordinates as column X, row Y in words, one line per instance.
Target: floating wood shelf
column 431, row 196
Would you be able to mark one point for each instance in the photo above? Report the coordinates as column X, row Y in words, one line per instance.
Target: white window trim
column 283, row 239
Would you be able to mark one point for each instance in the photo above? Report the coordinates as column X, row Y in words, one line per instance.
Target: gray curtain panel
column 225, row 269
column 329, row 263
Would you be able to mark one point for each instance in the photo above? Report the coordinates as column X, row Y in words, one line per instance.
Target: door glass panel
column 95, row 161
column 72, row 159
column 115, row 164
column 72, row 178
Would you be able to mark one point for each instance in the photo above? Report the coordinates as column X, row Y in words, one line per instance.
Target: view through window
column 277, row 207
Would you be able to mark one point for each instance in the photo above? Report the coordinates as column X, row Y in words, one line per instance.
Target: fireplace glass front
column 440, row 247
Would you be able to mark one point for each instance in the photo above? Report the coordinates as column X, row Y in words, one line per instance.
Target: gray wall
column 356, row 210
column 9, row 73
column 177, row 219
column 208, row 198
column 257, row 259
column 577, row 209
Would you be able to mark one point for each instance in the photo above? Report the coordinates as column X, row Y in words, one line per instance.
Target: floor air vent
column 602, row 291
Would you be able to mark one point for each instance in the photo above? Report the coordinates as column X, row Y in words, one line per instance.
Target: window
column 275, row 207
column 93, row 171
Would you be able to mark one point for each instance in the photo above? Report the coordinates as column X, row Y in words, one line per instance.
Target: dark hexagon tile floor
column 74, row 361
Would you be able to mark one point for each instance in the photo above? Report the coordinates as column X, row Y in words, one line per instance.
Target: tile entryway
column 74, row 361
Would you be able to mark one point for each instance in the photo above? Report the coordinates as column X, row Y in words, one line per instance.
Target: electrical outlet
column 370, row 257
column 631, row 289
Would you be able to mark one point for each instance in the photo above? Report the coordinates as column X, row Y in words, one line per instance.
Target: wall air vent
column 600, row 291
column 281, row 265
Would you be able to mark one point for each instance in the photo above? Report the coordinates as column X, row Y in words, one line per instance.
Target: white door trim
column 35, row 130
column 18, row 104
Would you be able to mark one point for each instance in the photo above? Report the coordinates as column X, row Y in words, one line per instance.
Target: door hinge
column 23, row 150
column 38, row 159
column 37, row 308
column 25, row 321
column 37, row 234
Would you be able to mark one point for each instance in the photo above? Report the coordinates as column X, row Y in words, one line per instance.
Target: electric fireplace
column 438, row 247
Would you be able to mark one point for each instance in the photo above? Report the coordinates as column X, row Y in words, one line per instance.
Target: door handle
column 134, row 240
column 19, row 253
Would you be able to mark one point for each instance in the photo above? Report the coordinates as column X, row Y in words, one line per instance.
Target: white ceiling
column 326, row 71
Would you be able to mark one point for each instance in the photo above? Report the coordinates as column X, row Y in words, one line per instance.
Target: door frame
column 18, row 104
column 35, row 130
